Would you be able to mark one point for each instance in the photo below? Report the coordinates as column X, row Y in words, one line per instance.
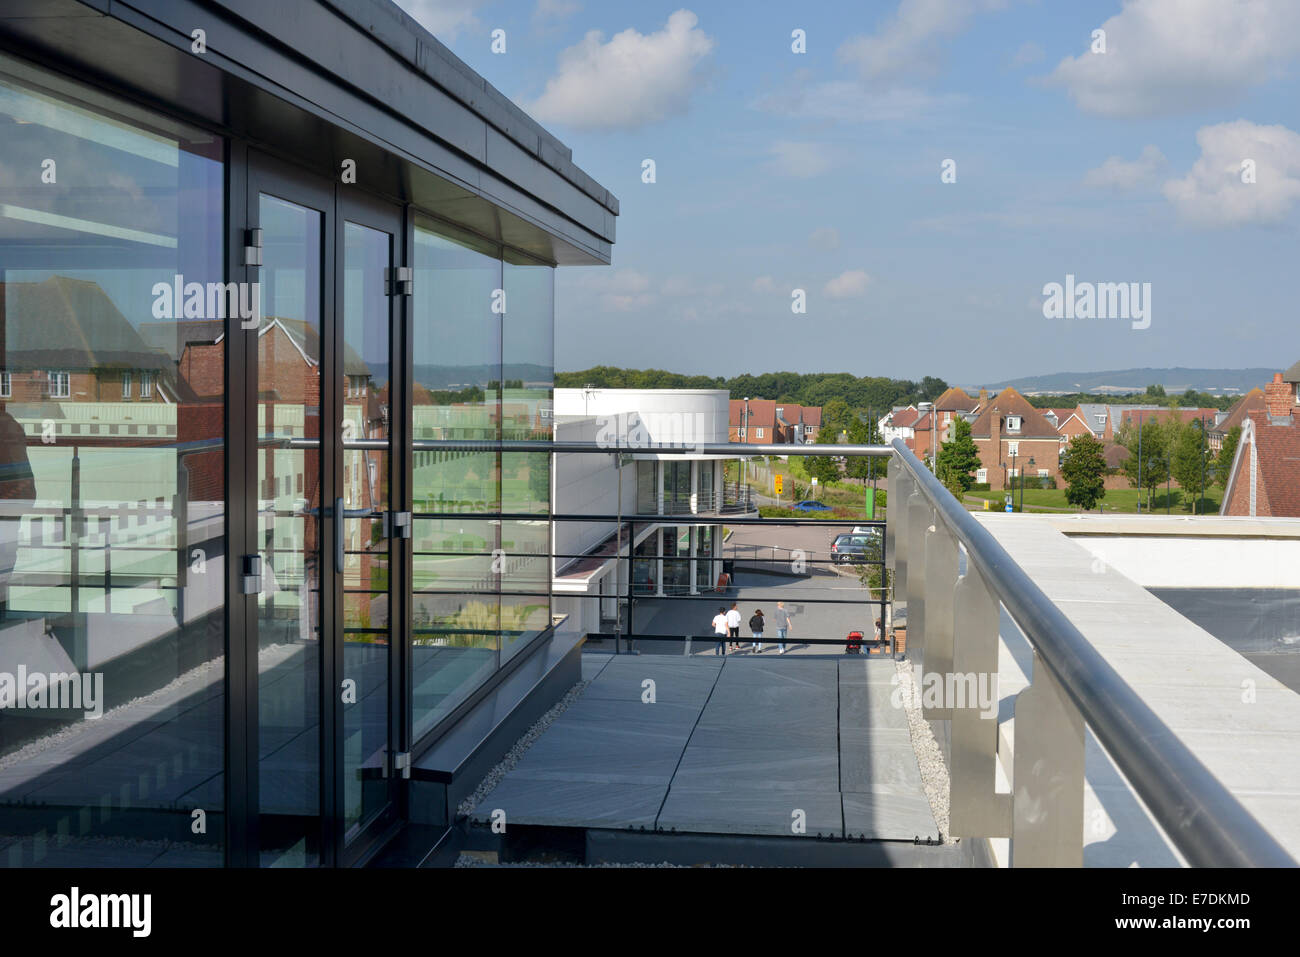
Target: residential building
column 1252, row 401
column 1010, row 434
column 1264, row 479
column 253, row 395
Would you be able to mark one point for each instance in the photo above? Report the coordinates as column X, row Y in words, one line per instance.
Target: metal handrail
column 1201, row 816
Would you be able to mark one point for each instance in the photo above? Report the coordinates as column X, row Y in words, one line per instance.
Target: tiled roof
column 1010, row 402
column 955, row 400
column 762, row 413
column 1292, row 374
column 812, row 415
column 1252, row 401
column 1278, row 452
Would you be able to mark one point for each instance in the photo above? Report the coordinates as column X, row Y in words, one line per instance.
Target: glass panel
column 646, row 491
column 366, row 332
column 529, row 377
column 289, row 530
column 456, row 605
column 112, row 517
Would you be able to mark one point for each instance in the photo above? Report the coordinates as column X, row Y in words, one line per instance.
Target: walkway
column 736, row 745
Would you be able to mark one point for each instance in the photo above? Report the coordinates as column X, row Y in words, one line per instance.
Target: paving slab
column 569, row 803
column 894, row 816
column 752, row 810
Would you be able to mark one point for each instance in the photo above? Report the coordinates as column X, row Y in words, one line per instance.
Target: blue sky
column 821, row 171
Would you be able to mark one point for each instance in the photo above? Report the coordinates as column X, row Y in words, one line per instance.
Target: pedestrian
column 720, row 630
column 733, row 625
column 781, row 619
column 756, row 629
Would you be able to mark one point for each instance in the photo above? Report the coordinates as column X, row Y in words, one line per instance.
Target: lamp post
column 744, row 437
column 1014, row 472
column 1022, row 485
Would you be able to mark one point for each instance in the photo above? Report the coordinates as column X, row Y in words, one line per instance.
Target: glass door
column 368, row 249
column 327, row 675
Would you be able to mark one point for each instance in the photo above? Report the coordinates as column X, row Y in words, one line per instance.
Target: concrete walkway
column 752, row 746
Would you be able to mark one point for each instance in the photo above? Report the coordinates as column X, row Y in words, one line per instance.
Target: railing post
column 939, row 576
column 1047, row 780
column 896, row 524
column 920, row 519
column 975, row 807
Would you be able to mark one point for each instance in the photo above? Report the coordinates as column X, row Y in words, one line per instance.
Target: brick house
column 760, row 428
column 1252, row 401
column 1264, row 479
column 1009, row 432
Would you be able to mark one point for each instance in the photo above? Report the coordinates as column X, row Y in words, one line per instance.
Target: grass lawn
column 1116, row 500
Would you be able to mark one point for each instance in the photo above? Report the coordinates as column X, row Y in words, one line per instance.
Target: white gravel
column 493, row 777
column 929, row 757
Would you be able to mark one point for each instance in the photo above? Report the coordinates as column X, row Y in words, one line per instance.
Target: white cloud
column 1119, row 173
column 800, row 160
column 630, row 81
column 847, row 285
column 555, row 9
column 826, row 238
column 909, row 42
column 1166, row 56
column 1213, row 194
column 445, row 19
column 620, row 290
column 764, row 284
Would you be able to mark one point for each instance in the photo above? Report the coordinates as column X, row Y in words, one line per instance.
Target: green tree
column 1084, row 468
column 1227, row 451
column 957, row 459
column 836, row 418
column 1156, row 391
column 1190, row 462
column 1147, row 465
column 824, row 468
column 860, row 467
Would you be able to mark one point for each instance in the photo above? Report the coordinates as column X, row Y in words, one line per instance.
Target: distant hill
column 1125, row 381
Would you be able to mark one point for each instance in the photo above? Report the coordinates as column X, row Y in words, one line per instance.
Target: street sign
column 778, row 481
column 1008, row 505
column 814, row 480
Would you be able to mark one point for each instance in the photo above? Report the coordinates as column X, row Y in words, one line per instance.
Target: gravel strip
column 929, row 758
column 493, row 777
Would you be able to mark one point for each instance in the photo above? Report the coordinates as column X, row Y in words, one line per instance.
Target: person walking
column 756, row 629
column 733, row 626
column 781, row 619
column 720, row 630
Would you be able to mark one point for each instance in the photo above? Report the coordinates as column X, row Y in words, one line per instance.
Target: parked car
column 811, row 505
column 854, row 549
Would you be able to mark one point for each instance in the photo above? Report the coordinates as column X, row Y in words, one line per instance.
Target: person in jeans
column 781, row 619
column 720, row 630
column 756, row 629
column 733, row 626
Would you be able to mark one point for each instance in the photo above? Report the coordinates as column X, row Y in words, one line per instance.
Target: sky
column 922, row 171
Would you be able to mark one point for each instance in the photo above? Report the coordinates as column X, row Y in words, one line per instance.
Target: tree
column 824, row 468
column 859, row 466
column 1156, row 391
column 1084, row 468
column 1190, row 459
column 1227, row 451
column 836, row 418
column 1147, row 465
column 957, row 459
column 932, row 388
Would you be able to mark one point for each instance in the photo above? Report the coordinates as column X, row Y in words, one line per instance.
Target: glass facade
column 112, row 499
column 131, row 733
column 482, row 370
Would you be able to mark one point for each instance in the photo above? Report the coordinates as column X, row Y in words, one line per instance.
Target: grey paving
column 736, row 745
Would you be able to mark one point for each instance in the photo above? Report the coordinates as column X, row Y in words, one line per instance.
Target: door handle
column 341, row 513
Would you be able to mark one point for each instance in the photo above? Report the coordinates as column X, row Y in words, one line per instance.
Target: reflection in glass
column 456, row 610
column 112, row 518
column 365, row 498
column 289, row 534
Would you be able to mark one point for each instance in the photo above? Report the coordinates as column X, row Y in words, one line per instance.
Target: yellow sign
column 986, row 505
column 778, row 479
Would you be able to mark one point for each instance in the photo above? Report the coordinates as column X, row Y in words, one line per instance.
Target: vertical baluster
column 1047, row 816
column 975, row 807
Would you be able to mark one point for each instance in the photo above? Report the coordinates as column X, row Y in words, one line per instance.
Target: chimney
column 1279, row 396
column 984, row 395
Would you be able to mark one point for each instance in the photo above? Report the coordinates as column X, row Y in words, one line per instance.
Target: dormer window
column 1013, row 423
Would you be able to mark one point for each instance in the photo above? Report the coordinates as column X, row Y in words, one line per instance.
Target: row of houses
column 767, row 422
column 1014, row 437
